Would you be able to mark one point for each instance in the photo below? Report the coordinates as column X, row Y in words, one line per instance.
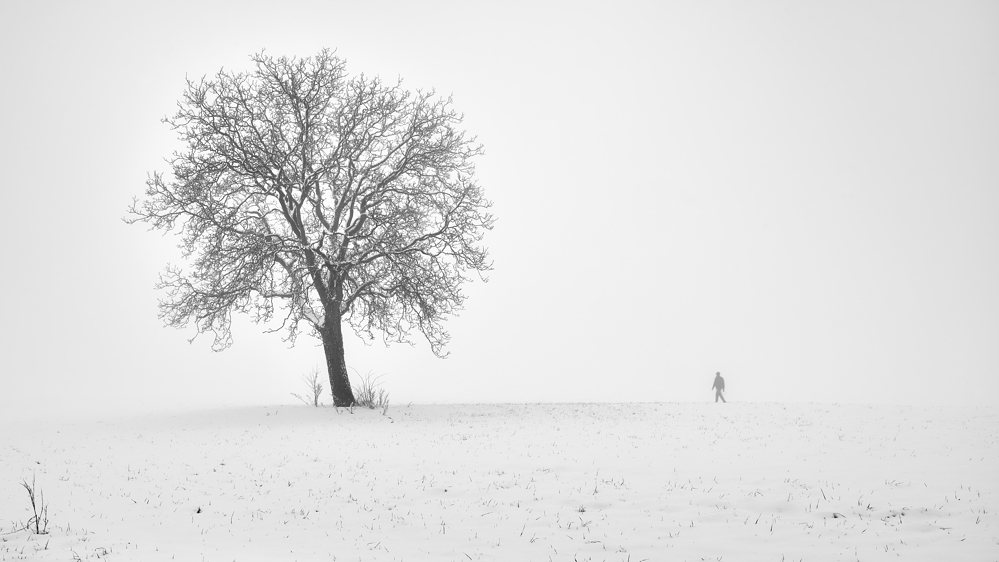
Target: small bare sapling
column 39, row 522
column 315, row 384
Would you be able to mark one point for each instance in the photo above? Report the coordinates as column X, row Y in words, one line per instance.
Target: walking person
column 719, row 388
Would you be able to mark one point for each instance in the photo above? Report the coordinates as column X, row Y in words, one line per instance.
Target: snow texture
column 570, row 482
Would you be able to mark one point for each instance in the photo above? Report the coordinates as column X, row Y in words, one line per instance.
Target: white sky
column 803, row 196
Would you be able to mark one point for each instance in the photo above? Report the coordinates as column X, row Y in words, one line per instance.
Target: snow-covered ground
column 614, row 482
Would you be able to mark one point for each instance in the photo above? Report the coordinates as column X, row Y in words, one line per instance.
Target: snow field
column 615, row 482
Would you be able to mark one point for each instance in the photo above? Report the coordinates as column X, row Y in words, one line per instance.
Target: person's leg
column 717, row 395
column 722, row 397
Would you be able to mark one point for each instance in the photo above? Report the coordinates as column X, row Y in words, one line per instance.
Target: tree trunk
column 332, row 335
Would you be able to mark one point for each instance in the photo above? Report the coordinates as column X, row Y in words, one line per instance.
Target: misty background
column 801, row 196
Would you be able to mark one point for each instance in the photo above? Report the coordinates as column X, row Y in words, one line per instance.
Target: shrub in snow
column 315, row 384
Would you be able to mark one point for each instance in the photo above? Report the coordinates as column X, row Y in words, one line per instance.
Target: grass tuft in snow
column 368, row 394
column 40, row 520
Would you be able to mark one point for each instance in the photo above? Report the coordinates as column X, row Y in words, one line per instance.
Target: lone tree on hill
column 320, row 198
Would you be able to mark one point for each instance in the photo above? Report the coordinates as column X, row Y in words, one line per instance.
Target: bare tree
column 314, row 197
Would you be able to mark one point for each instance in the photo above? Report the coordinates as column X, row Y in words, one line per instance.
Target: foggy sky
column 801, row 196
